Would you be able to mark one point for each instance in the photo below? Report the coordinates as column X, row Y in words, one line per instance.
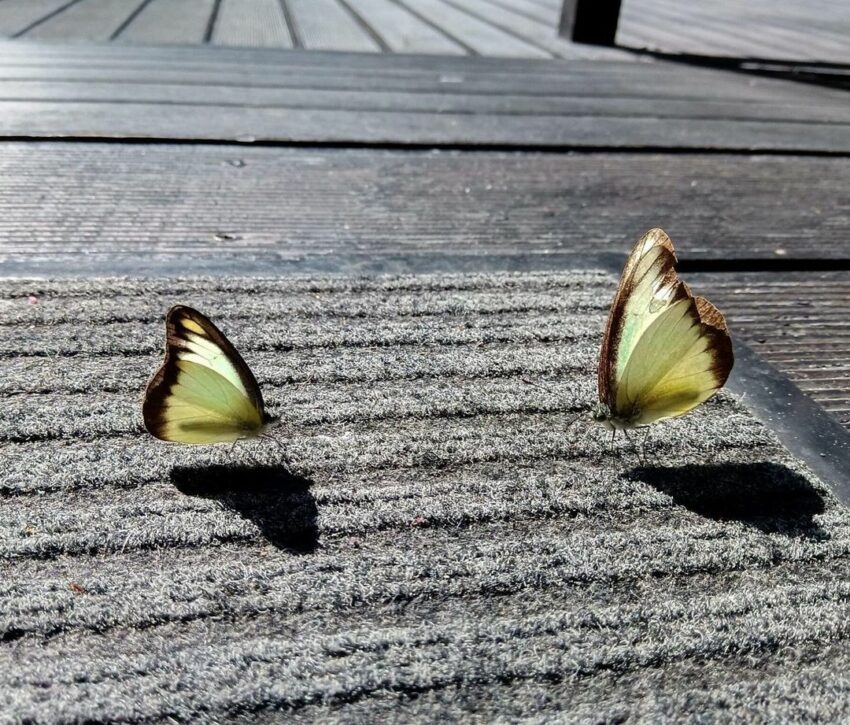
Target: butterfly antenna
column 634, row 446
column 575, row 419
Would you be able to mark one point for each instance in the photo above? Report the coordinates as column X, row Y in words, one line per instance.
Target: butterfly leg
column 633, row 445
column 643, row 444
column 230, row 449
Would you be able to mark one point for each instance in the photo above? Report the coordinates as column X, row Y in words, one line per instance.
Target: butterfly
column 664, row 351
column 203, row 392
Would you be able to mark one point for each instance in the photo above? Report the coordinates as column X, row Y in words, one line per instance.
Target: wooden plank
column 482, row 37
column 647, row 30
column 797, row 322
column 819, row 25
column 170, row 21
column 251, row 23
column 18, row 52
column 89, row 20
column 250, row 67
column 284, row 125
column 411, row 91
column 17, row 15
column 197, row 203
column 265, row 97
column 694, row 31
column 581, row 103
column 545, row 13
column 403, row 31
column 326, row 25
column 812, row 31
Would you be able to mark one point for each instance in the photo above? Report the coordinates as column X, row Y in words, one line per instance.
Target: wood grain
column 251, row 23
column 503, row 28
column 327, row 25
column 481, row 37
column 797, row 321
column 403, row 31
column 18, row 15
column 170, row 21
column 92, row 20
column 581, row 103
column 169, row 200
column 816, row 30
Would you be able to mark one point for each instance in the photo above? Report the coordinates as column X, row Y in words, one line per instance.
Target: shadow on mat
column 766, row 496
column 277, row 501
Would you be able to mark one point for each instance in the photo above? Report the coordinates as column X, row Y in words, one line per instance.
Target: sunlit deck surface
column 815, row 31
column 406, row 213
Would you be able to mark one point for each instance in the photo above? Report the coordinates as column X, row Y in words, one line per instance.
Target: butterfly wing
column 680, row 361
column 204, row 392
column 648, row 285
column 664, row 351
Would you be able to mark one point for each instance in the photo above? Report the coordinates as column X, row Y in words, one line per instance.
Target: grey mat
column 445, row 544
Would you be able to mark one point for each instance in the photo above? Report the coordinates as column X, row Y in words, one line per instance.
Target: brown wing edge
column 714, row 325
column 160, row 384
column 155, row 393
column 605, row 374
column 166, row 375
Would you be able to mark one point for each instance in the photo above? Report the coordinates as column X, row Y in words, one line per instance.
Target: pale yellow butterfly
column 664, row 351
column 203, row 392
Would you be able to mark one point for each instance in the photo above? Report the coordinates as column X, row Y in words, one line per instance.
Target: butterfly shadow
column 277, row 501
column 764, row 495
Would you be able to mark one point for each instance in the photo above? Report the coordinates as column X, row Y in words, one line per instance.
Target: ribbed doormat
column 445, row 544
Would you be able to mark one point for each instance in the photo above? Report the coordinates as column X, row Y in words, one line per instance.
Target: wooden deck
column 816, row 31
column 310, row 97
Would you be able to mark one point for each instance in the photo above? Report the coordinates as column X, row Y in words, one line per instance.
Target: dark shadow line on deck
column 364, row 25
column 819, row 73
column 519, row 10
column 501, row 28
column 468, row 49
column 291, row 26
column 45, row 18
column 208, row 33
column 129, row 19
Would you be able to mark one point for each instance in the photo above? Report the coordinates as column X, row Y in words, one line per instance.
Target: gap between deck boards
column 563, row 149
column 133, row 265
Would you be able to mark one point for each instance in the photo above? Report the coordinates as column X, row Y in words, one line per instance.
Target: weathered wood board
column 60, row 200
column 99, row 93
column 797, row 321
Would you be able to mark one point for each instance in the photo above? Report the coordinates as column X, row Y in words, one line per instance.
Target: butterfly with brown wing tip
column 203, row 392
column 664, row 351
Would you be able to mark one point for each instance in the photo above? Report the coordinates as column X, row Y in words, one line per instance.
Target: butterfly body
column 664, row 351
column 603, row 415
column 203, row 392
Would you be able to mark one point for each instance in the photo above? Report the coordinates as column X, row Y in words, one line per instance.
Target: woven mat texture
column 444, row 545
